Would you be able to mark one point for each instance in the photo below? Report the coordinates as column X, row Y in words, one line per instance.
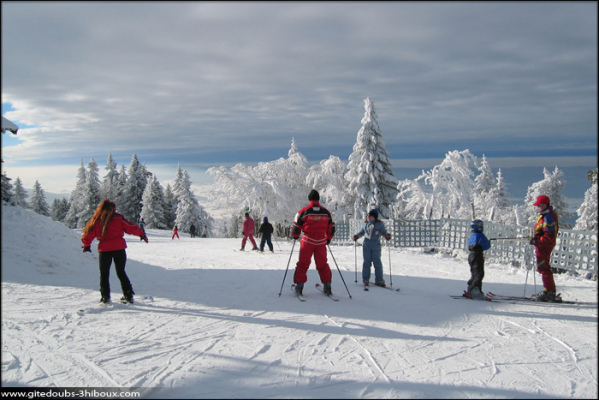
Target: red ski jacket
column 547, row 228
column 316, row 222
column 113, row 240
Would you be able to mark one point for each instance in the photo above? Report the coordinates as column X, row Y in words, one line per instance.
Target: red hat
column 542, row 200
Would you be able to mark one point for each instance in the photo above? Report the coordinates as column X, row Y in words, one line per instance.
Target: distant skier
column 142, row 225
column 477, row 244
column 205, row 232
column 248, row 232
column 109, row 228
column 192, row 230
column 175, row 233
column 266, row 231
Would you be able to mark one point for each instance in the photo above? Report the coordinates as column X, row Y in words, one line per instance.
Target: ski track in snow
column 218, row 329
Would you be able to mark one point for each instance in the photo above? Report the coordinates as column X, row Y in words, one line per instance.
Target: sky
column 212, row 323
column 202, row 84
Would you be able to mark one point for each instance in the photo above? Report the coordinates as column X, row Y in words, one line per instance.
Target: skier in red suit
column 317, row 224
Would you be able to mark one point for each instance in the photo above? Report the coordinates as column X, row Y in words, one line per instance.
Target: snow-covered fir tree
column 7, row 190
column 188, row 209
column 152, row 211
column 372, row 183
column 20, row 194
column 72, row 217
column 170, row 207
column 552, row 186
column 587, row 212
column 483, row 196
column 90, row 198
column 59, row 209
column 131, row 202
column 121, row 185
column 329, row 177
column 38, row 202
column 108, row 188
column 502, row 210
column 411, row 201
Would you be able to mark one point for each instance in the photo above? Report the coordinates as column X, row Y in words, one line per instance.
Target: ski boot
column 299, row 287
column 127, row 297
column 105, row 300
column 546, row 296
column 327, row 288
column 380, row 283
column 476, row 293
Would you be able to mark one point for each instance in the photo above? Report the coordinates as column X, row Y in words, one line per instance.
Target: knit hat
column 265, row 219
column 313, row 195
column 247, row 214
column 374, row 213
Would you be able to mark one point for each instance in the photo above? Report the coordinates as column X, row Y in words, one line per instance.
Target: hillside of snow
column 218, row 328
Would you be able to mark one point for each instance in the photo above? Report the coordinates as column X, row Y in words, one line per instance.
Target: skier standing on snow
column 142, row 225
column 192, row 230
column 175, row 233
column 477, row 244
column 545, row 234
column 109, row 228
column 372, row 231
column 266, row 231
column 248, row 232
column 317, row 224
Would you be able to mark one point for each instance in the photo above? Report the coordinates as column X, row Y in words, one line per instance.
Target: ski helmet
column 477, row 226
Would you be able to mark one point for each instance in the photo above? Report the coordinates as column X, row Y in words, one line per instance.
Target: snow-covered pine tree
column 7, row 190
column 587, row 212
column 329, row 177
column 483, row 195
column 72, row 217
column 372, row 183
column 121, row 185
column 188, row 208
column 170, row 207
column 108, row 188
column 20, row 194
column 412, row 202
column 452, row 186
column 59, row 209
column 152, row 210
column 134, row 190
column 552, row 186
column 90, row 198
column 38, row 202
column 502, row 206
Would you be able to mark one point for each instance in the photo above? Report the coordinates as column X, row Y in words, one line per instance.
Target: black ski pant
column 120, row 259
column 476, row 259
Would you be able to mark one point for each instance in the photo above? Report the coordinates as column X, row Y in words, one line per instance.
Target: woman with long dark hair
column 109, row 228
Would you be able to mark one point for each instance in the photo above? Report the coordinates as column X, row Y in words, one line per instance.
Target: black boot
column 127, row 297
column 327, row 288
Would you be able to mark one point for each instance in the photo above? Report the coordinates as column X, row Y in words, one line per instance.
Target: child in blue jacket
column 477, row 244
column 373, row 230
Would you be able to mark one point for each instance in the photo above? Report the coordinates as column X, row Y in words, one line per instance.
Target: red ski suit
column 113, row 239
column 546, row 230
column 317, row 224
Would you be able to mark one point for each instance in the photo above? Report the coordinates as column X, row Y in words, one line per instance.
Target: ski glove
column 145, row 238
column 87, row 249
column 388, row 236
column 535, row 241
column 328, row 241
column 356, row 237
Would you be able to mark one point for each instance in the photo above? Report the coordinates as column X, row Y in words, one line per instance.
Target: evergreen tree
column 108, row 188
column 131, row 200
column 90, row 197
column 551, row 186
column 20, row 194
column 170, row 207
column 59, row 209
column 412, row 201
column 372, row 183
column 7, row 190
column 121, row 185
column 484, row 191
column 76, row 201
column 329, row 177
column 38, row 202
column 152, row 211
column 587, row 212
column 188, row 208
column 502, row 207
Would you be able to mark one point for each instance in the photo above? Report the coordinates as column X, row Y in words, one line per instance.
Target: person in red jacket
column 317, row 224
column 109, row 228
column 248, row 232
column 545, row 234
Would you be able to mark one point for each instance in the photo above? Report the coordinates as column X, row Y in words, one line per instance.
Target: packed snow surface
column 220, row 326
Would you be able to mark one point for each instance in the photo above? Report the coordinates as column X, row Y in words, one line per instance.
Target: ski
column 328, row 295
column 300, row 297
column 530, row 299
column 487, row 298
column 385, row 287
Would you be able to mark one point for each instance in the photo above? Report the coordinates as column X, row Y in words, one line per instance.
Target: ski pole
column 356, row 259
column 339, row 271
column 390, row 275
column 286, row 269
column 511, row 238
